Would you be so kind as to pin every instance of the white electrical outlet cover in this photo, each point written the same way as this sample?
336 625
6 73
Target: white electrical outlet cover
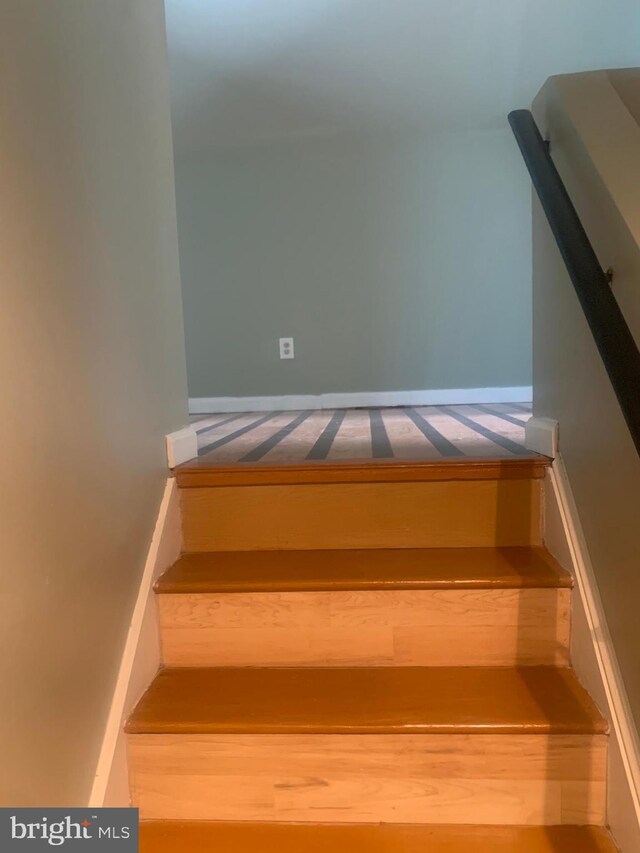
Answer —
286 348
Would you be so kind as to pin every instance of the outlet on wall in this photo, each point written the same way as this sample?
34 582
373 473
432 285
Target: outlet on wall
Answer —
286 348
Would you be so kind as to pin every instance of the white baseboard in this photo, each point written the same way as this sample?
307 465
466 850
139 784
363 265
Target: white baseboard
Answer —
541 436
293 402
141 657
182 446
594 658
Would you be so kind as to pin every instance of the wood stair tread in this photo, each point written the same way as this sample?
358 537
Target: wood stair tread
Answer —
202 472
426 568
366 700
213 837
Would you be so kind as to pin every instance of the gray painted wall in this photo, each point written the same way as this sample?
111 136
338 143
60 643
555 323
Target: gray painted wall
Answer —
396 264
93 370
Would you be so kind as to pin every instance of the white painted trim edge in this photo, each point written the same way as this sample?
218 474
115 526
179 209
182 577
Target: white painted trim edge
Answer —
140 659
595 660
541 436
182 445
291 402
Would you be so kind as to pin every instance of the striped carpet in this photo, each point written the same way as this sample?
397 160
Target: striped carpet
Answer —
491 431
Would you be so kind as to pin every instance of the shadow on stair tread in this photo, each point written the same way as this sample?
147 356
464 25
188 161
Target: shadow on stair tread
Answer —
214 837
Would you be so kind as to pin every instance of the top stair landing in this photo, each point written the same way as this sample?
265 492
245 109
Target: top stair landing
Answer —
362 436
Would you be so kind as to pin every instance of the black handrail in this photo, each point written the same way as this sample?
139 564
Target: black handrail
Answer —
611 333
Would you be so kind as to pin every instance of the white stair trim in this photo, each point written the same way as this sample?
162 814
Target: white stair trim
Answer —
182 446
541 436
140 659
340 400
594 658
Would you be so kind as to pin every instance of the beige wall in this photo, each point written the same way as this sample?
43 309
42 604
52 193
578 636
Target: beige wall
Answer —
92 367
595 142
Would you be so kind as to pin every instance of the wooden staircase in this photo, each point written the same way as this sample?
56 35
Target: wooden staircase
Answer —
367 657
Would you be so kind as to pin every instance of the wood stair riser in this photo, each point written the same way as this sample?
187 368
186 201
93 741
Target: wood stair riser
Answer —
430 627
526 779
439 513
